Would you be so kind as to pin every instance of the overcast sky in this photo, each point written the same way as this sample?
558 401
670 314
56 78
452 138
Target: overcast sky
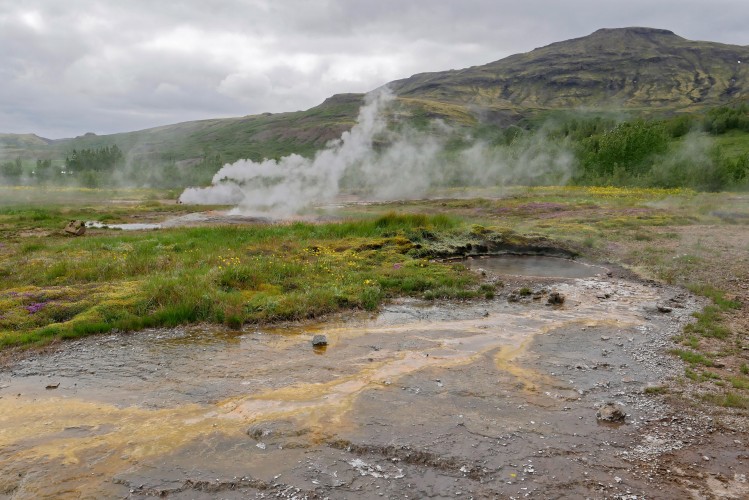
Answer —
75 66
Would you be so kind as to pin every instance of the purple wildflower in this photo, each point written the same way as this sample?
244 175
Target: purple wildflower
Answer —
34 308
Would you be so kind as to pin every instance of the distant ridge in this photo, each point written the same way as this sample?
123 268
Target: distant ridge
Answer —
638 69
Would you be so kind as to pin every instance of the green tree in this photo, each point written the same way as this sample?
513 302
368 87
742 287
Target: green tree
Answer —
625 149
43 171
11 171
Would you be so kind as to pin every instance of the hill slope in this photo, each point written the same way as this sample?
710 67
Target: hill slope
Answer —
638 69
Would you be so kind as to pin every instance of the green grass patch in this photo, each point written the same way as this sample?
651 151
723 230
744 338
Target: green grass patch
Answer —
717 296
656 390
709 324
739 382
728 399
710 320
692 357
70 287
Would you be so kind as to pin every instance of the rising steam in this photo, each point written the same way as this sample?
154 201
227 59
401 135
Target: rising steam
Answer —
382 162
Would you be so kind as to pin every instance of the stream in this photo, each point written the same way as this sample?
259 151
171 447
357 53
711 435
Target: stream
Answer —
423 399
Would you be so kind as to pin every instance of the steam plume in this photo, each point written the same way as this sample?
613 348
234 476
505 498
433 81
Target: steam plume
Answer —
380 163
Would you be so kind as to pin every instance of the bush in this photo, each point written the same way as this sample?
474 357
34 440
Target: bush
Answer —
624 150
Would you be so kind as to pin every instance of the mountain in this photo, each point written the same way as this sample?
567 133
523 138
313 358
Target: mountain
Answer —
630 68
636 69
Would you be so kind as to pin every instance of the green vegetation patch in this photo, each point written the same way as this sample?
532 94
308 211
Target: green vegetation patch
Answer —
68 287
728 399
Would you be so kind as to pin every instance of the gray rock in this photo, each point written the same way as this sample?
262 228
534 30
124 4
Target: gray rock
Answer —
76 228
319 340
257 432
611 412
556 299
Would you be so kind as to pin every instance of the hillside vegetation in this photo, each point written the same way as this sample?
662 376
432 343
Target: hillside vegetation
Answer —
636 106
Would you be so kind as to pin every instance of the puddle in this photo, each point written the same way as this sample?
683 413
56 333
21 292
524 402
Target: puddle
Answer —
123 227
535 266
470 388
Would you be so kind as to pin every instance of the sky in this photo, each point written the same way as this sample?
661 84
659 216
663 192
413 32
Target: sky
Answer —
104 66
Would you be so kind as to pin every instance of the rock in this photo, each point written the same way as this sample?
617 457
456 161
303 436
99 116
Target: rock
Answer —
257 432
53 386
319 340
76 228
663 308
610 412
556 299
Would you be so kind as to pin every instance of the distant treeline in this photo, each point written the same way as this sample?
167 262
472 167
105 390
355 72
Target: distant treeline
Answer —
704 151
681 151
675 152
103 159
108 167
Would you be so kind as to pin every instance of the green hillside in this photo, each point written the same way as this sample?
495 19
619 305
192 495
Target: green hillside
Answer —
631 68
642 71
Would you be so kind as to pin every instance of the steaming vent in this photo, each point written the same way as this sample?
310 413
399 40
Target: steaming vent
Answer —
381 158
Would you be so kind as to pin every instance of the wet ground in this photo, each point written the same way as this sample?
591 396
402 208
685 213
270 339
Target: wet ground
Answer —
211 217
534 266
423 400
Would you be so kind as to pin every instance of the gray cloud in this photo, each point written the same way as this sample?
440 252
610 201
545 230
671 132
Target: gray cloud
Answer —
84 65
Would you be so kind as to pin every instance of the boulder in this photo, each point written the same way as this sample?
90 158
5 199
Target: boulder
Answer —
76 228
611 412
319 341
556 299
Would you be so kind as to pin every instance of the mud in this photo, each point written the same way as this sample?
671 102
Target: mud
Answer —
427 400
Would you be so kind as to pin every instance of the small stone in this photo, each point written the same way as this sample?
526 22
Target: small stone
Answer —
75 228
257 432
610 412
663 308
319 340
555 299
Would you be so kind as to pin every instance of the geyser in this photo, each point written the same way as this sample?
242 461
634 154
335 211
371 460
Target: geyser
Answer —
381 162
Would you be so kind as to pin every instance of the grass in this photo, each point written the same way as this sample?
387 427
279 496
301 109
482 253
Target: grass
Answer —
728 399
692 357
656 390
70 287
709 324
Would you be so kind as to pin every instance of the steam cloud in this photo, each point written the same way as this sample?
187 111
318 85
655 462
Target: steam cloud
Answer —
381 162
